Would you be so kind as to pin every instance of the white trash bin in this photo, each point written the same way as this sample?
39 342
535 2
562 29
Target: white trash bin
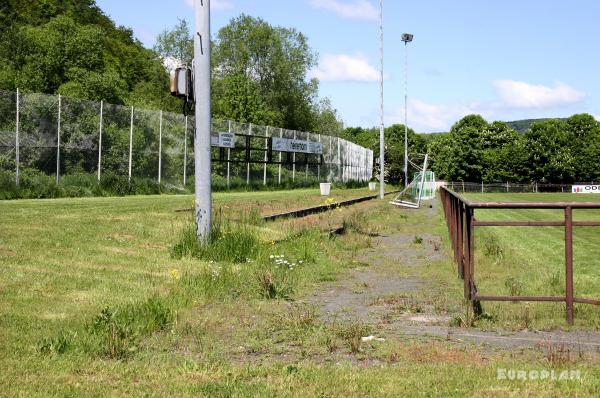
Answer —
325 188
372 186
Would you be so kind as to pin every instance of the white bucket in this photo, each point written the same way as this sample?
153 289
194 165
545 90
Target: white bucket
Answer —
372 186
325 188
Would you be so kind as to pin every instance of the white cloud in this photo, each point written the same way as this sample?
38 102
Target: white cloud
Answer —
214 4
345 68
517 94
516 100
425 117
356 9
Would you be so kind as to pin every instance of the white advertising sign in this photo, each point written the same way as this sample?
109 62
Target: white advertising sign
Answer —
223 140
586 189
289 145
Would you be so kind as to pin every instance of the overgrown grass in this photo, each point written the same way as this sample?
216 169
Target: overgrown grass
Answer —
93 304
37 185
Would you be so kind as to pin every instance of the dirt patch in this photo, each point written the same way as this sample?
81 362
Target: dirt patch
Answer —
388 294
361 296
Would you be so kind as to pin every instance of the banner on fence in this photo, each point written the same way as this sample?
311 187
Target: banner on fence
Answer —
289 145
223 140
586 188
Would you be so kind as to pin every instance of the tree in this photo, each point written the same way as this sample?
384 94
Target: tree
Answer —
272 64
327 120
176 45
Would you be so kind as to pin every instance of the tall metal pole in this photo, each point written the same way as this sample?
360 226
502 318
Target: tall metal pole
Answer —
406 114
100 139
58 141
160 120
17 143
248 161
202 148
406 38
381 127
130 143
228 156
185 152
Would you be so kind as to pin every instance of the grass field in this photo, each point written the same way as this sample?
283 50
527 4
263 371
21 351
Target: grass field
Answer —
93 304
530 260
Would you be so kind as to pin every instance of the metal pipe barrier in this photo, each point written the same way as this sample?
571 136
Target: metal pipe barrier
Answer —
461 221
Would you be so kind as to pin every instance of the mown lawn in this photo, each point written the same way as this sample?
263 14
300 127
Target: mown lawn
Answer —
531 260
93 304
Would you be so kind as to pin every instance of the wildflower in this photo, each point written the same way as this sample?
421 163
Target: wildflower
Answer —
174 273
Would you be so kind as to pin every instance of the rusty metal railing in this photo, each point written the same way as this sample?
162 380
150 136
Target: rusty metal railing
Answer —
460 217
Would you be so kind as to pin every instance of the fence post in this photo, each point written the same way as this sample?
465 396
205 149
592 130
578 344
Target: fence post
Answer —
185 152
319 164
279 178
339 159
100 139
306 157
228 155
266 156
58 141
294 162
160 120
330 158
130 143
17 143
481 186
569 263
248 160
506 186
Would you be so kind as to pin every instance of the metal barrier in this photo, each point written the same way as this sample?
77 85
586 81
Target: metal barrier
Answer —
460 217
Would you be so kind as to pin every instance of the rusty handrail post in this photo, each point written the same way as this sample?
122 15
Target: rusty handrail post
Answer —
461 238
569 263
469 254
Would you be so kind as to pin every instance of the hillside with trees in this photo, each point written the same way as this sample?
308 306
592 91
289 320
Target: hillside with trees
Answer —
72 48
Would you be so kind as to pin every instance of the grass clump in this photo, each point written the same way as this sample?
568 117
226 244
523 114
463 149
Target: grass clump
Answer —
115 333
228 242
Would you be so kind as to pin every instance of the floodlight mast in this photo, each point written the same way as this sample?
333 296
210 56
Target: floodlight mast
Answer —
406 38
381 127
202 148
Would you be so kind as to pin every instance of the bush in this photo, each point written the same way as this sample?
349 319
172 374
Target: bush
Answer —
228 242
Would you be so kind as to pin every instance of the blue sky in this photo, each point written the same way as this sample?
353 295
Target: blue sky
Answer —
506 59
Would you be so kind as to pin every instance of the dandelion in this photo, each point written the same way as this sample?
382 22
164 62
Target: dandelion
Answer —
174 273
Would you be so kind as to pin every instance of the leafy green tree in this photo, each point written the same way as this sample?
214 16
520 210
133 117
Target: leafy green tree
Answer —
583 133
272 63
550 159
176 44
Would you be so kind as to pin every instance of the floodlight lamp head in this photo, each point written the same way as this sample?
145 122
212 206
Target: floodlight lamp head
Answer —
407 37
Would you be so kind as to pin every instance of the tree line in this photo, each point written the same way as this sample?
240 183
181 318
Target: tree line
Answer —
71 47
549 151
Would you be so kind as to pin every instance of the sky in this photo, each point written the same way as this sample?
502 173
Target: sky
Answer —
506 60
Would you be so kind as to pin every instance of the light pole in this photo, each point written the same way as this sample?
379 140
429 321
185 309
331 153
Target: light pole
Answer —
406 38
203 119
381 127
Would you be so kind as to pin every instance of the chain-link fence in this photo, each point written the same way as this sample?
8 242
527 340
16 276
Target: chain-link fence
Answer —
64 136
